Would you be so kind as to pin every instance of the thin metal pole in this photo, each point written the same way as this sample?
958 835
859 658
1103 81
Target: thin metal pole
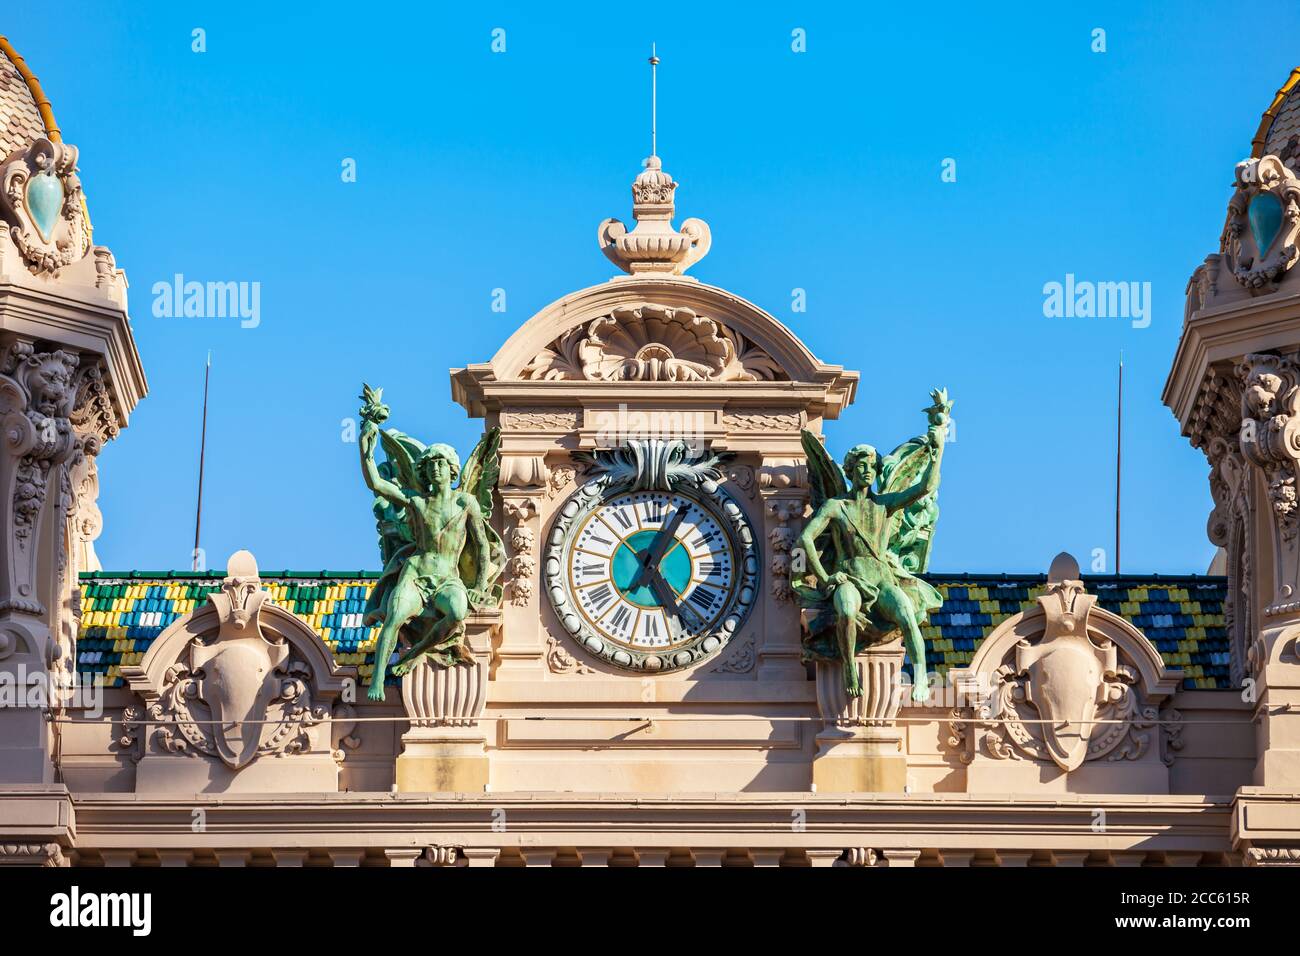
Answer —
654 101
203 446
1119 452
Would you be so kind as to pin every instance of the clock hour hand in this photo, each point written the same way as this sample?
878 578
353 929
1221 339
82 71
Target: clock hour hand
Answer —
668 600
652 555
666 596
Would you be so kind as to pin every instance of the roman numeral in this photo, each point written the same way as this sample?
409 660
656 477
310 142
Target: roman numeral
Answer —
599 596
655 509
702 540
651 628
622 518
590 570
619 621
702 597
596 537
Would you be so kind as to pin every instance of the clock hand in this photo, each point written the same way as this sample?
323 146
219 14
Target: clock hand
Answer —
651 556
666 596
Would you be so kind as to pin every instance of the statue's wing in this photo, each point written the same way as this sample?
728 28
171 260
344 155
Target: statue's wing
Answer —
825 478
479 476
403 451
912 528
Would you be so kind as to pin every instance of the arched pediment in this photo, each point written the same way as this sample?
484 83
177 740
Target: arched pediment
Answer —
657 329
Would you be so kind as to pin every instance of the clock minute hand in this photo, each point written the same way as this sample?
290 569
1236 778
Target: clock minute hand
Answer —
652 555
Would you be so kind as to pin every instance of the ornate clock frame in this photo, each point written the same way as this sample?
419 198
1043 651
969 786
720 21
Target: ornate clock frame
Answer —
609 481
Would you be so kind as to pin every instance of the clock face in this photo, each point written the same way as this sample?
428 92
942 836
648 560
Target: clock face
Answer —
652 570
652 579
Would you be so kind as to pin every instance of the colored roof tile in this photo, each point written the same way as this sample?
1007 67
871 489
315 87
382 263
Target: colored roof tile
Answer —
1183 616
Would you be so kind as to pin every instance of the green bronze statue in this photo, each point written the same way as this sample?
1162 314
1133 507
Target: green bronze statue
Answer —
442 558
864 546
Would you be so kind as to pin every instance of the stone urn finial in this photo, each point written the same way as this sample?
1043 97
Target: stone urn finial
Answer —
653 245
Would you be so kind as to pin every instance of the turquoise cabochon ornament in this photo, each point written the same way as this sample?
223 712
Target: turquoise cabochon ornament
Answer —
44 201
1265 220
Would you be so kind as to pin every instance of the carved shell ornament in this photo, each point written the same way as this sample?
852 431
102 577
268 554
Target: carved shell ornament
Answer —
652 343
1263 222
40 203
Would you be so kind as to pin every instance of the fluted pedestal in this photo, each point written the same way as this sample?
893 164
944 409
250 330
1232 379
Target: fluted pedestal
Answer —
860 749
445 749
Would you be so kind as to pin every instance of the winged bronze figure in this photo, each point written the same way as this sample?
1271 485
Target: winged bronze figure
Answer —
442 557
864 546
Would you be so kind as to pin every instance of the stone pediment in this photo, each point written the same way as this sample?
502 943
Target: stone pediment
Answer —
652 343
651 331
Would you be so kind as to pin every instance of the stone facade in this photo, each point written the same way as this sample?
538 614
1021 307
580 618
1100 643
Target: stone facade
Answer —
1067 740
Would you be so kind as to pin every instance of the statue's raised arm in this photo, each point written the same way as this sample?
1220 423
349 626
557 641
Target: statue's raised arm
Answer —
373 414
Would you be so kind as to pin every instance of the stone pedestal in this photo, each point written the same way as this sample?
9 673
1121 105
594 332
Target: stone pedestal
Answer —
446 749
860 749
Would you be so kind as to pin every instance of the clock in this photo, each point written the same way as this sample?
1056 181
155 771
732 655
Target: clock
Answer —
651 579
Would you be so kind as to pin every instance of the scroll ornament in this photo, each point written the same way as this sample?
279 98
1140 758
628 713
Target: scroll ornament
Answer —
1263 222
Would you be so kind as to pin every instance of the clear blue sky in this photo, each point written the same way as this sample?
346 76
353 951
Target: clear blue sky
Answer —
818 170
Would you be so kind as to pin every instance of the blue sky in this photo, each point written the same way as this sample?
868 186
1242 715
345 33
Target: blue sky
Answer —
818 170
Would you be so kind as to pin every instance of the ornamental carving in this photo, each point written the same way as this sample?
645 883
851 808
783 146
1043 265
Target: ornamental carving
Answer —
653 245
652 343
239 680
1215 427
763 421
781 540
541 419
1067 683
560 661
37 396
1270 432
1259 239
41 204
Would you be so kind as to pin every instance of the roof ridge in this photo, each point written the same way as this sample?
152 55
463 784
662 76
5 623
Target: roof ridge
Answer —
43 105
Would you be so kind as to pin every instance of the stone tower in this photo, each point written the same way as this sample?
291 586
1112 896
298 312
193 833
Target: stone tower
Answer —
1235 388
69 378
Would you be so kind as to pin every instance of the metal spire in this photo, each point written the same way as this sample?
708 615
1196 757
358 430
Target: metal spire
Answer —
654 98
